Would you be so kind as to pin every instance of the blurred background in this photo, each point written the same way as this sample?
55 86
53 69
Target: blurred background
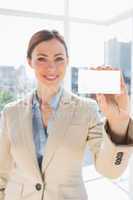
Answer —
96 32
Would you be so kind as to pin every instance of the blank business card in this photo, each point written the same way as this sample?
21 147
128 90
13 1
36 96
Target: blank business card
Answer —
95 81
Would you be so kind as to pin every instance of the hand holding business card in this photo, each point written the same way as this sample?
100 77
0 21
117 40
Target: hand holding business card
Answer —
99 81
112 96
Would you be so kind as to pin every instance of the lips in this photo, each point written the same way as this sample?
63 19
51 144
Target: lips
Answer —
50 77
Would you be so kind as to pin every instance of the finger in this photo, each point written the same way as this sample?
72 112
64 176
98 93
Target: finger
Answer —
107 67
102 67
101 99
92 67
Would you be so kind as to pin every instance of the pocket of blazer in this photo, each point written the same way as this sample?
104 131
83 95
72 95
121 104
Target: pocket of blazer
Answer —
99 81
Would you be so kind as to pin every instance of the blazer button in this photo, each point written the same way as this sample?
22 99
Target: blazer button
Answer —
38 186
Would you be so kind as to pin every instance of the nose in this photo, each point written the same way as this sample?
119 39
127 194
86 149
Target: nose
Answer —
51 66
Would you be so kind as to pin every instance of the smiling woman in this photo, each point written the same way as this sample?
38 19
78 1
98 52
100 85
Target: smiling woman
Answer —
48 56
44 135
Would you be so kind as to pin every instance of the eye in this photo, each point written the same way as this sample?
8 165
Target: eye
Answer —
59 59
41 59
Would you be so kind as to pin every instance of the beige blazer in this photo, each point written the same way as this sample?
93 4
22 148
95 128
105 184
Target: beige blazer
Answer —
75 124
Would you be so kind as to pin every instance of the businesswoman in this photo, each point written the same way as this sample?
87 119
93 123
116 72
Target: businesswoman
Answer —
43 136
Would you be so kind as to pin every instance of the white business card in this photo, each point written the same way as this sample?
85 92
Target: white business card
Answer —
99 81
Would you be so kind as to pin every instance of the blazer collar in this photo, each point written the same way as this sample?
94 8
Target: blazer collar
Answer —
57 130
57 127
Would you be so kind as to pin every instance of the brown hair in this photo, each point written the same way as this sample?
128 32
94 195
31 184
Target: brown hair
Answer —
44 35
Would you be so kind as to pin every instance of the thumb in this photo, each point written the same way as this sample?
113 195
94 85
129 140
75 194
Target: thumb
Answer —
102 102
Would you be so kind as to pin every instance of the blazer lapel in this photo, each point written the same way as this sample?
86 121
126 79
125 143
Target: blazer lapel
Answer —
27 138
57 127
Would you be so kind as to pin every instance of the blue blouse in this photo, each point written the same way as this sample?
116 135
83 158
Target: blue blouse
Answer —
40 133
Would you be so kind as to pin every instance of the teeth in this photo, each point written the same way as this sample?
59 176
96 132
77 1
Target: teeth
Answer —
50 77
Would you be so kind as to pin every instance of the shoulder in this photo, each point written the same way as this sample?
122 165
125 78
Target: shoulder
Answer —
86 110
83 103
19 103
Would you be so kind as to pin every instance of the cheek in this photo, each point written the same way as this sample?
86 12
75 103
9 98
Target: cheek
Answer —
63 70
40 69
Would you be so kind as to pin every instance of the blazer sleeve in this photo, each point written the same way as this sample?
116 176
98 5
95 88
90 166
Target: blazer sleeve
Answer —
5 156
110 158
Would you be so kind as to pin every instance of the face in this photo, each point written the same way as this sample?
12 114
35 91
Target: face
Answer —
49 62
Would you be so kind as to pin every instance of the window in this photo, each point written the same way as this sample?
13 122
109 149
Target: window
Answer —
118 48
86 44
86 49
14 37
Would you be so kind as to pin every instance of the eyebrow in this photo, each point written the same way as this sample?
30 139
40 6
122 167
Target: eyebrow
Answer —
59 54
42 54
45 55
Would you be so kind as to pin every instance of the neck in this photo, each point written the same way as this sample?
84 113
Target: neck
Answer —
45 93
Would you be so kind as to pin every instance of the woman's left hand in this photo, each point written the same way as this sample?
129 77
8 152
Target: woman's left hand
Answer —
115 107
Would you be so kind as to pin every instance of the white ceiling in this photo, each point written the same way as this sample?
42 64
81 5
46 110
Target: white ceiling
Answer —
98 10
101 10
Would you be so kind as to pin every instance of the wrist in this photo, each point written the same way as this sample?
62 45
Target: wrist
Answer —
115 136
119 127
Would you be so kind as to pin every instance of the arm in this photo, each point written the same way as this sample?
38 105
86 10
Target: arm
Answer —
5 157
110 158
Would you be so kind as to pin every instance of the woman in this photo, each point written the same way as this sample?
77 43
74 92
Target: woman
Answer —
44 135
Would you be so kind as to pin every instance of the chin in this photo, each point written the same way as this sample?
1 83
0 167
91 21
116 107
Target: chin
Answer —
50 83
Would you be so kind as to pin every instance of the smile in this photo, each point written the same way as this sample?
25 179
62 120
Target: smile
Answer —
51 77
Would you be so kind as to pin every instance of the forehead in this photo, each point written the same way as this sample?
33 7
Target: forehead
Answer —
52 46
